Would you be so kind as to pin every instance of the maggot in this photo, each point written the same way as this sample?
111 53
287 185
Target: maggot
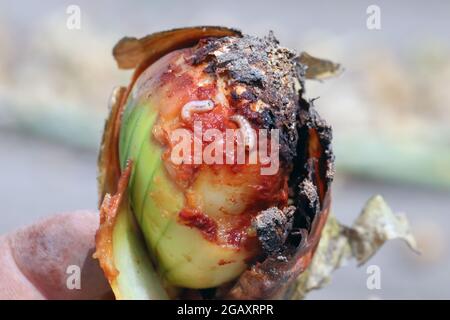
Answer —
246 130
196 106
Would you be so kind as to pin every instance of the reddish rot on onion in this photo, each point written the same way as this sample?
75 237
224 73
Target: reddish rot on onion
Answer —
228 168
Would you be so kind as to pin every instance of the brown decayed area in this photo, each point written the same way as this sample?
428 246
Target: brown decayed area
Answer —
200 221
264 83
103 237
313 171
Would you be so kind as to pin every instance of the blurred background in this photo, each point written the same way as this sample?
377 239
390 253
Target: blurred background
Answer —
390 111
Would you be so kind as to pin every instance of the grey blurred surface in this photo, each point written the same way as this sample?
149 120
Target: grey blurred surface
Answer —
41 178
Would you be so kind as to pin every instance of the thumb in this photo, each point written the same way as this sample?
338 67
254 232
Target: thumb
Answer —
40 261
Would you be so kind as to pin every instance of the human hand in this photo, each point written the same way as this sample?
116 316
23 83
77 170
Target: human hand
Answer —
34 260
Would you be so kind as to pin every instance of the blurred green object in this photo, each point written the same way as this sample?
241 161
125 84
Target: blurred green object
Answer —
74 127
414 162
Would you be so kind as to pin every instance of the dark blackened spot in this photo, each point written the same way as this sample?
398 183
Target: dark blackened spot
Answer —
234 96
204 49
248 95
273 227
242 73
312 173
268 119
210 68
207 293
248 113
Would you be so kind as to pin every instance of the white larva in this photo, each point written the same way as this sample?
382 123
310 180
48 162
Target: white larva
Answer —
196 106
246 130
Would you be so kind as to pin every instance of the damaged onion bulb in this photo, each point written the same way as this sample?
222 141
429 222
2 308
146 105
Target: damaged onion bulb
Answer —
189 208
